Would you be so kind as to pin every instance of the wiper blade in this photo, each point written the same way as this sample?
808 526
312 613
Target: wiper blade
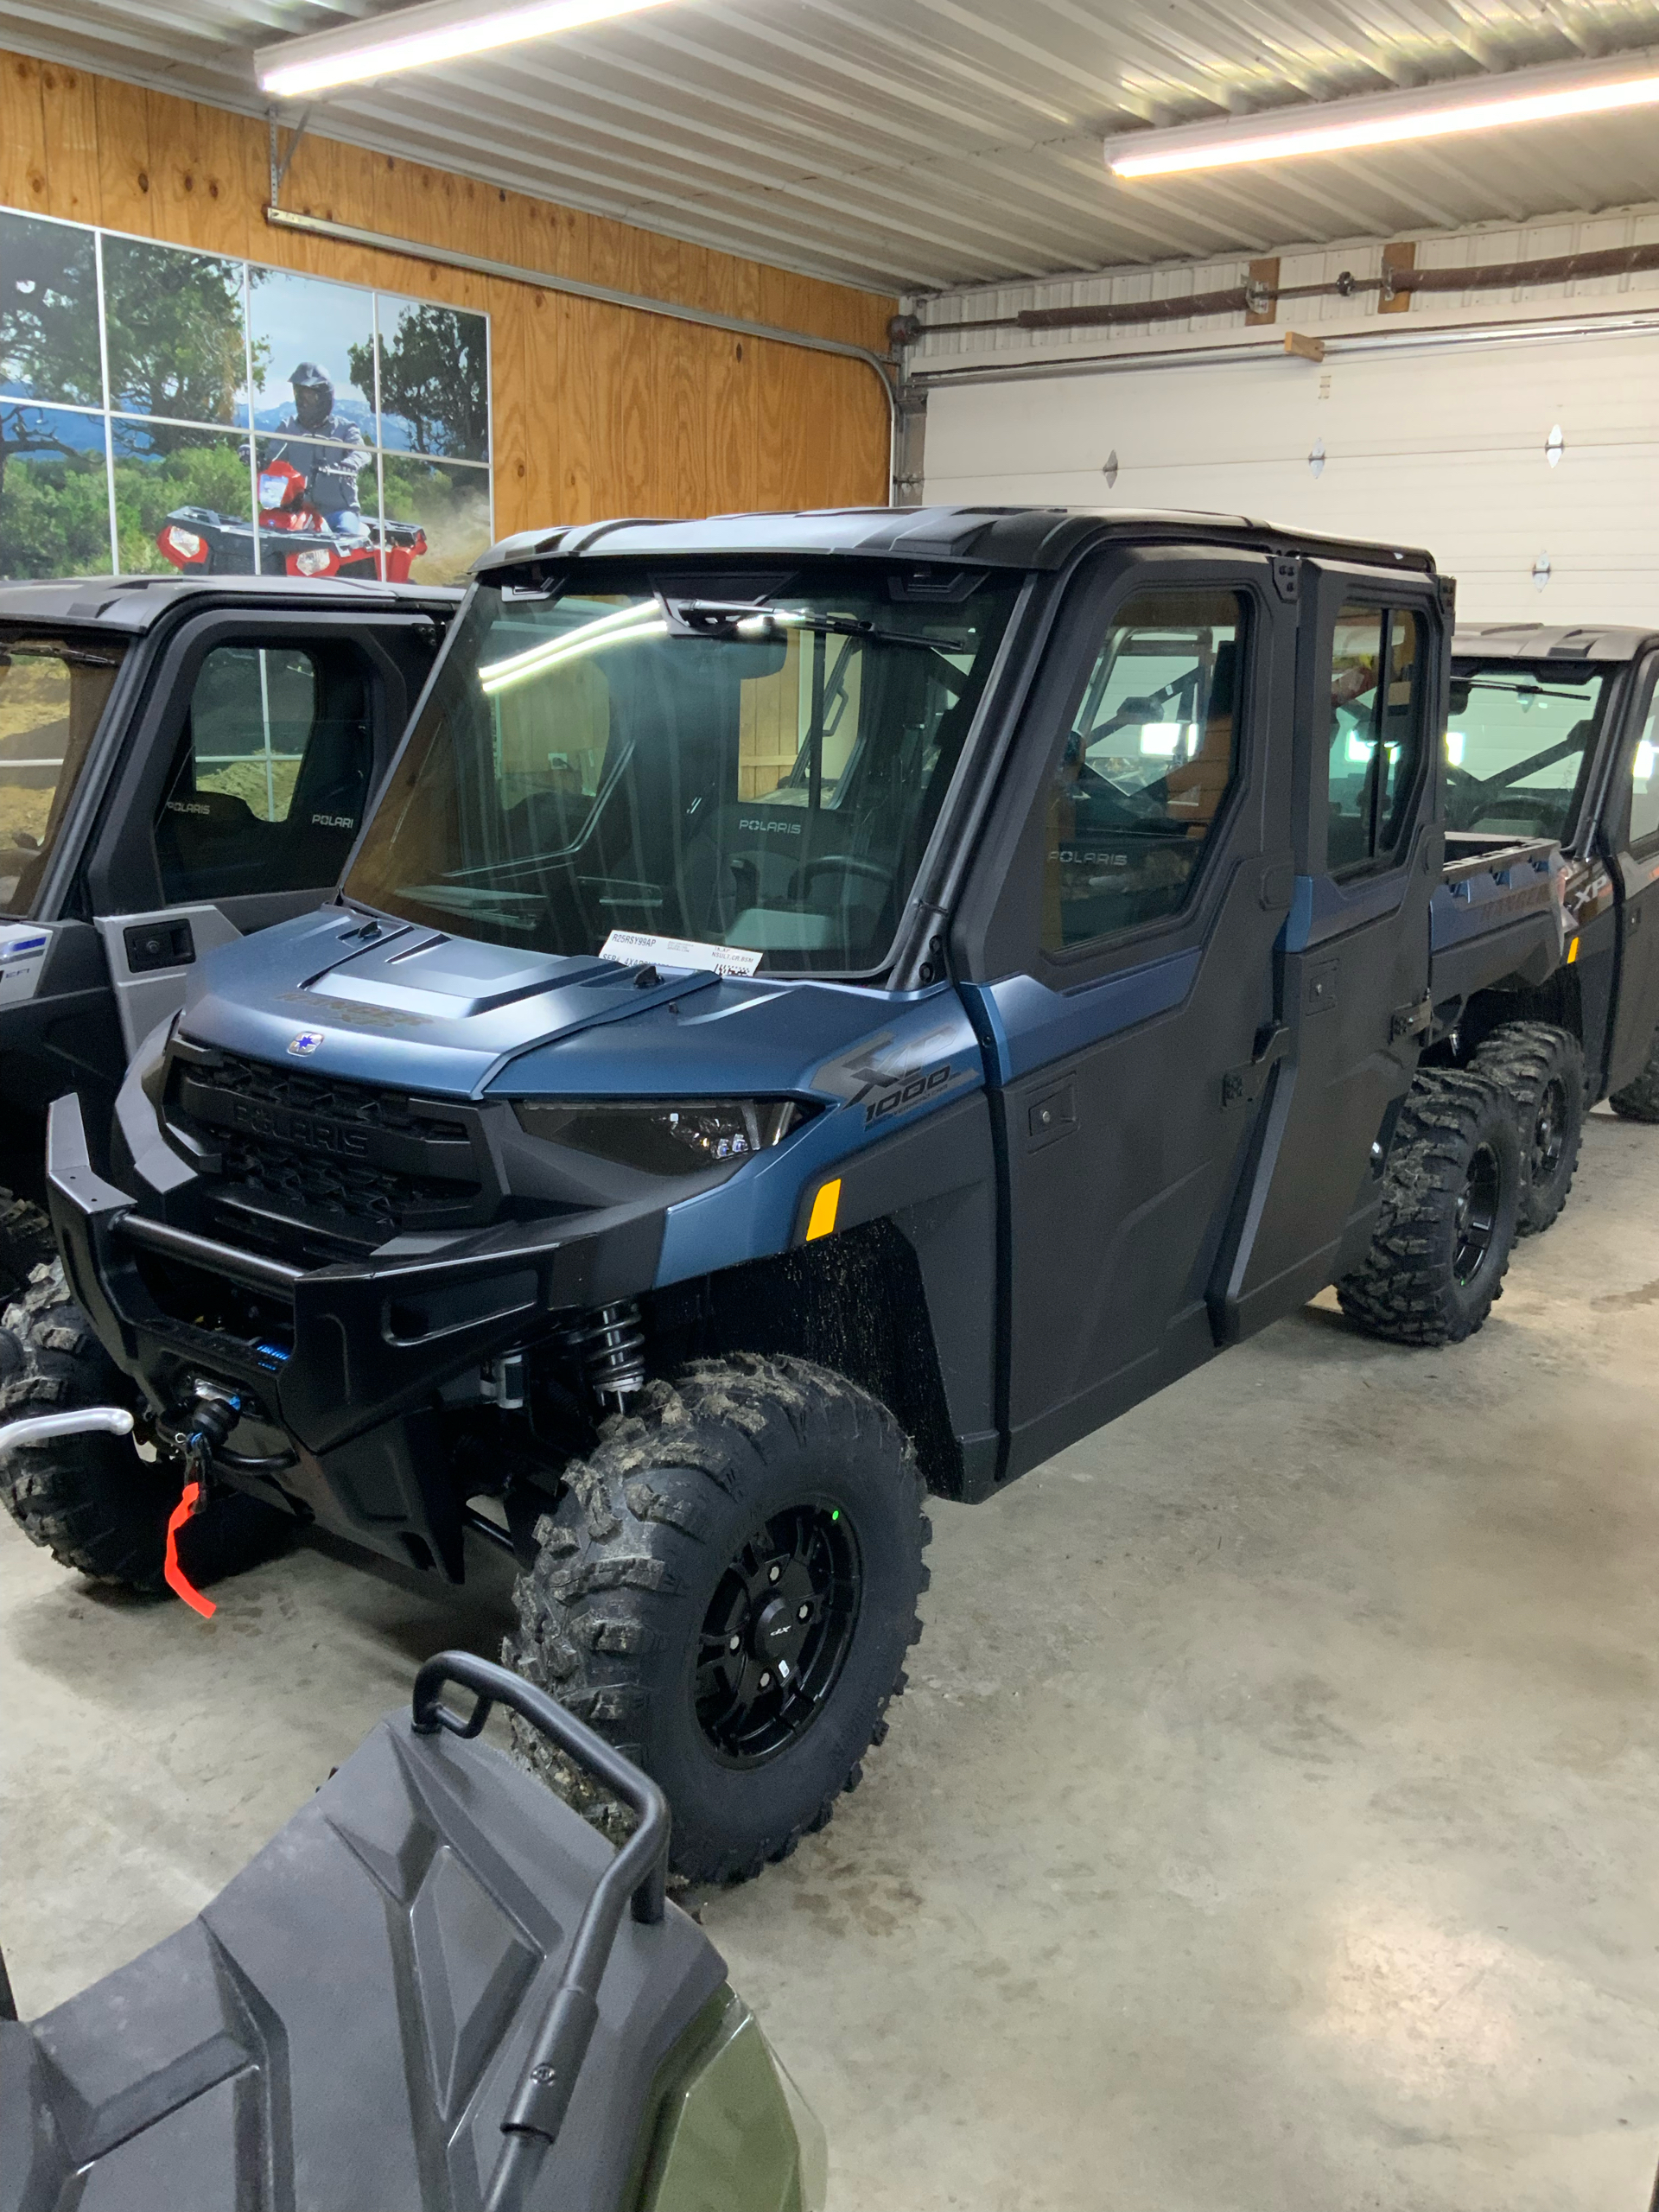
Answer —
751 623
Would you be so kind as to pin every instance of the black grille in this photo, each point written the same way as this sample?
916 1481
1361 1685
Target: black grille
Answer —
341 1158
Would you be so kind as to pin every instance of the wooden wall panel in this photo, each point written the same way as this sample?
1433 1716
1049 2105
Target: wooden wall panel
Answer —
597 410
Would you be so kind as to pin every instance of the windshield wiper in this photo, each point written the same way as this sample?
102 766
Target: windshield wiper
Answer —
753 624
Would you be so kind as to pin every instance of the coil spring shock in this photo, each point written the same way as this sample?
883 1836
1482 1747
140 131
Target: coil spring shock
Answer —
610 1342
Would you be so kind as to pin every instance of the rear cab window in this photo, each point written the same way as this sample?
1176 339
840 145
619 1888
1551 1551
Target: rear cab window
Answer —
1644 780
1376 735
52 694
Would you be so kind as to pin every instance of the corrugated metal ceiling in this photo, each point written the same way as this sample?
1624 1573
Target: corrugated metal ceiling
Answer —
915 145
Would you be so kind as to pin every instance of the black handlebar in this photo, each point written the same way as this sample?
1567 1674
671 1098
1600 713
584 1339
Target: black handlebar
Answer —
536 2109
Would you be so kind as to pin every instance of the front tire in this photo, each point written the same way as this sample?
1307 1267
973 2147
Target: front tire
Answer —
1543 1070
1450 1202
94 1502
26 1243
727 1591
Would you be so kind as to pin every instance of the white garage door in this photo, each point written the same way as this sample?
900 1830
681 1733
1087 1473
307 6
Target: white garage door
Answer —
1445 448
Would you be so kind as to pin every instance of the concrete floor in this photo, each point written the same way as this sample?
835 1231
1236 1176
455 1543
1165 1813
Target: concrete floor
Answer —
1271 1822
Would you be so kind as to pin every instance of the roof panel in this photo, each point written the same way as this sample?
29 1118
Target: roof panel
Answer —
922 144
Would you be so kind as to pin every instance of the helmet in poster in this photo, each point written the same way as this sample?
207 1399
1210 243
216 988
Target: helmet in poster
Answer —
314 394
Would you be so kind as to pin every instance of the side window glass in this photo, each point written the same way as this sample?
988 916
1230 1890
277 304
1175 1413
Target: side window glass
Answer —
1377 735
1152 754
1644 777
270 776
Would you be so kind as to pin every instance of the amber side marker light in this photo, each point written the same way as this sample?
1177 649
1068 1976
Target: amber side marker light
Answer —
825 1207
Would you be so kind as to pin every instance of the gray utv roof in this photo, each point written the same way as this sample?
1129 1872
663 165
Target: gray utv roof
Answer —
1544 641
134 603
1001 538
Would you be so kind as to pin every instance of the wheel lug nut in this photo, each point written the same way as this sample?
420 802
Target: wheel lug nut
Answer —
765 1681
774 1574
736 1644
802 1613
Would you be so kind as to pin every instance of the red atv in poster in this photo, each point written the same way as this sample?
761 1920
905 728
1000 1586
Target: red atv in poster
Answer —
293 538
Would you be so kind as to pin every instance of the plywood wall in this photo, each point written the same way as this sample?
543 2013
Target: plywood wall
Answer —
597 410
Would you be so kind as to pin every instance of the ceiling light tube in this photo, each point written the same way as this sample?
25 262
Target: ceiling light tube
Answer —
1519 96
417 38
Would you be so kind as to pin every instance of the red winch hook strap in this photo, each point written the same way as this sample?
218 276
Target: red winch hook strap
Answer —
177 1581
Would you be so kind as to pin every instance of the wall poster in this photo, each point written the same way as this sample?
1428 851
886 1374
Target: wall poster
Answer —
164 409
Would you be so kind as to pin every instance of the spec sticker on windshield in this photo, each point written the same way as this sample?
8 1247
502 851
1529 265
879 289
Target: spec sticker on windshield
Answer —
635 948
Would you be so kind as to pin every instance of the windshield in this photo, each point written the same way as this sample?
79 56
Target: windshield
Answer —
53 692
740 762
1517 742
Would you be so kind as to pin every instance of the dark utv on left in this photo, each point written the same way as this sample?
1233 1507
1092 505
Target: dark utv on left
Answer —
826 1008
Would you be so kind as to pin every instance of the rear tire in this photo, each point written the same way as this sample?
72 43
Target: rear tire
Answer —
727 1591
1450 1200
1543 1070
1639 1100
92 1501
26 1243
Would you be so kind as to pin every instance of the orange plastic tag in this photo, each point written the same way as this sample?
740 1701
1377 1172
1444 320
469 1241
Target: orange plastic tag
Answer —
172 1574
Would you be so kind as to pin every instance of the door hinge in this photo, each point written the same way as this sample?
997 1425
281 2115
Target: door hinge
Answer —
1243 1086
1411 1020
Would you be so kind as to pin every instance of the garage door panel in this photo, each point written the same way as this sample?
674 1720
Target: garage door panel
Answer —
1443 449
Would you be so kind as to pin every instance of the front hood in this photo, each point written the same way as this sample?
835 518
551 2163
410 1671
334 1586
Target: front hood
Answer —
413 1009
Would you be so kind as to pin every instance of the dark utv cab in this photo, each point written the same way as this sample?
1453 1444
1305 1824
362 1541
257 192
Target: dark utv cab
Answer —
1554 734
827 1007
180 762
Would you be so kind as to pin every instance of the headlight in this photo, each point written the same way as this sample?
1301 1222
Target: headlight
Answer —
666 1140
318 561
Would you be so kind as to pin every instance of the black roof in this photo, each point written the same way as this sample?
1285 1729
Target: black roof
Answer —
134 603
1001 538
1615 641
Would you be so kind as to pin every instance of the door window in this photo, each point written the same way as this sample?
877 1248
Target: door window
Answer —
1644 777
270 776
1152 754
1377 735
53 692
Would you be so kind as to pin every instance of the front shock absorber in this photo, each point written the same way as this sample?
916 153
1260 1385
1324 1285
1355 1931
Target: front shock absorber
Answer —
610 1344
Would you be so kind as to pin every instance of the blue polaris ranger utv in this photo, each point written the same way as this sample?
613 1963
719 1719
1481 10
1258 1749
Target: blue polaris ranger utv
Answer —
828 1009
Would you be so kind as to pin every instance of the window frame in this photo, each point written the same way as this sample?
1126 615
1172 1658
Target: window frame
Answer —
1645 718
997 928
1378 862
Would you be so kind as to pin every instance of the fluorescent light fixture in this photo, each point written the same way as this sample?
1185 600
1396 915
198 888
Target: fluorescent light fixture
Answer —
416 38
1519 96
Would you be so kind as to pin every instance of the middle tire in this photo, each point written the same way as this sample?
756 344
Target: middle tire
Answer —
727 1591
1451 1201
1543 1069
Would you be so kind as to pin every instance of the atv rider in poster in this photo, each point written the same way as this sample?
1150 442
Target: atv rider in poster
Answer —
329 469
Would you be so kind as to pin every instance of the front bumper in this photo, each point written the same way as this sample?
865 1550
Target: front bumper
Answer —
346 1360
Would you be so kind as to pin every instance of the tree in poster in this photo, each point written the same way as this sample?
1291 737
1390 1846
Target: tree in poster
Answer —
435 374
48 331
175 332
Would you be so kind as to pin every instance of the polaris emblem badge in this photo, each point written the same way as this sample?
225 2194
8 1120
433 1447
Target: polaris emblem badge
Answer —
305 1042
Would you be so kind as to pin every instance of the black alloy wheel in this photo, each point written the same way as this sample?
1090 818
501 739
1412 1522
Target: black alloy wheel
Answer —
1476 1216
1549 1131
777 1632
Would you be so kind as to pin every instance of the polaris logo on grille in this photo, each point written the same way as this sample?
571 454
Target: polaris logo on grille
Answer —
306 1043
307 1130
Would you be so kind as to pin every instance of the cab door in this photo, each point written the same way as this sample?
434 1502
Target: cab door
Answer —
242 792
1633 828
1354 959
1118 932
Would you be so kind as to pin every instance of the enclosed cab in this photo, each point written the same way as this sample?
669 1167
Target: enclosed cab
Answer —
179 763
826 1009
